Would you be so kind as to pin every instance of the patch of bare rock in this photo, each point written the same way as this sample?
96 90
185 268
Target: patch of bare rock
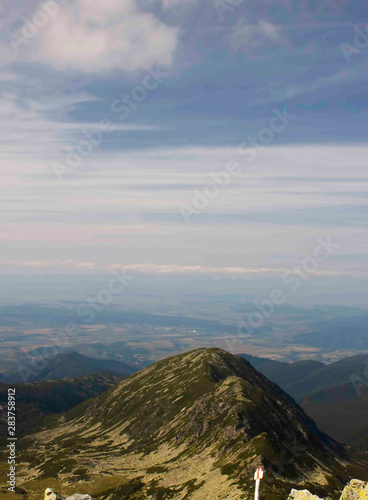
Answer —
354 490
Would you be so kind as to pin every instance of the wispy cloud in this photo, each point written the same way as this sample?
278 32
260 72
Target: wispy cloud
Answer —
128 205
248 36
32 126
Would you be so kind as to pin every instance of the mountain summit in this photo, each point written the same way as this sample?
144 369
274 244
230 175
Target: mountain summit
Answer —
191 426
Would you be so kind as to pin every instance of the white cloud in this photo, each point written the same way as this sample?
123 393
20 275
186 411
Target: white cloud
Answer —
101 35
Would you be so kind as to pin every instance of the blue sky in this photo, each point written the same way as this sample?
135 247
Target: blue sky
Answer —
183 89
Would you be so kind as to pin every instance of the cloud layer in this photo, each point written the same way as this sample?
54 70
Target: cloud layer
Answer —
149 268
127 209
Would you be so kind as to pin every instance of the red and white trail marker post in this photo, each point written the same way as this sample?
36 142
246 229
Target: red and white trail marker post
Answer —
258 475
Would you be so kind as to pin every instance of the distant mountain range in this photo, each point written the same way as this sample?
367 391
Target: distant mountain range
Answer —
334 334
302 378
192 426
334 395
38 399
69 364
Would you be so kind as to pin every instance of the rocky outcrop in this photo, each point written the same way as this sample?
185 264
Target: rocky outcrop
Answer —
355 490
51 495
302 495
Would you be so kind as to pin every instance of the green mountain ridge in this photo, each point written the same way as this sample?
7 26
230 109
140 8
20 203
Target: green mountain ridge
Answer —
192 426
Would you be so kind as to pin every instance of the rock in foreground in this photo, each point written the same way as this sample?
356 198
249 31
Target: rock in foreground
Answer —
355 490
302 495
51 495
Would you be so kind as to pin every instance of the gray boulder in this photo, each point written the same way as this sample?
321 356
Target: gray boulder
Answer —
51 495
78 496
355 490
302 495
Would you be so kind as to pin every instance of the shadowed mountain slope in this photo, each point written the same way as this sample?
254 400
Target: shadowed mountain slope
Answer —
342 412
37 399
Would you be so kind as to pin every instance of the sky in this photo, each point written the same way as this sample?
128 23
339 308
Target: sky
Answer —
217 138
